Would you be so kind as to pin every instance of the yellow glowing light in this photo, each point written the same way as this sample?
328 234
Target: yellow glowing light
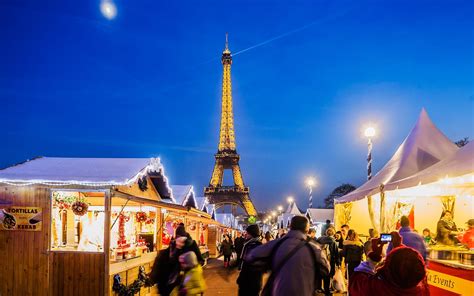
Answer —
273 214
310 182
280 208
369 132
290 199
108 9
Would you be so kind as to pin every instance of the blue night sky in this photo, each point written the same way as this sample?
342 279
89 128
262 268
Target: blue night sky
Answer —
147 83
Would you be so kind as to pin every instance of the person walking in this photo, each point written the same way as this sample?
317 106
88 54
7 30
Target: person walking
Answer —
325 227
250 277
410 239
294 262
329 245
267 237
352 251
193 280
226 249
402 273
166 268
238 245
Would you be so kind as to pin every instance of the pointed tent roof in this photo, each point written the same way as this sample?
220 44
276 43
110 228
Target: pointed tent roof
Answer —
201 203
459 164
293 209
184 195
423 147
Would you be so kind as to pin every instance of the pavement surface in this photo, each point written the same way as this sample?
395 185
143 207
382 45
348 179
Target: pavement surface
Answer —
222 281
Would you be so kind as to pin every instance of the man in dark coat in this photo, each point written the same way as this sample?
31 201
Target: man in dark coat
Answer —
239 245
250 277
302 261
330 247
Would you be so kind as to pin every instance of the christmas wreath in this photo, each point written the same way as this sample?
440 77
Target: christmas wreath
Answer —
79 207
141 217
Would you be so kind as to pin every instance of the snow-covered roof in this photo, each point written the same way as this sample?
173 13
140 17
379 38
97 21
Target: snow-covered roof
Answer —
320 215
184 195
422 148
80 171
201 203
459 164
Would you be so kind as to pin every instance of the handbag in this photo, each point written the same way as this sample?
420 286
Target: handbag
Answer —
338 282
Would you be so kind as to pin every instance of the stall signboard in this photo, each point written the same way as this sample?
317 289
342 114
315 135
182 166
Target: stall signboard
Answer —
21 218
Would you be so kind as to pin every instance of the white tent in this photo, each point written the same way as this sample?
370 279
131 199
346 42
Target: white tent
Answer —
290 212
422 148
459 164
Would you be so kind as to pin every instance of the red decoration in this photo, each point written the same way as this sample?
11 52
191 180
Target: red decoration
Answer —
141 217
122 242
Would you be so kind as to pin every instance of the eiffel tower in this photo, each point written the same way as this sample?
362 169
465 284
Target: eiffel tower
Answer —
227 157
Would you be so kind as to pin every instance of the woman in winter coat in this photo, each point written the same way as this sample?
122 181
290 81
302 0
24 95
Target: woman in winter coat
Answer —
402 273
446 230
226 250
329 245
352 251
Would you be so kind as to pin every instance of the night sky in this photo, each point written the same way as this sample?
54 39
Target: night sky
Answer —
148 82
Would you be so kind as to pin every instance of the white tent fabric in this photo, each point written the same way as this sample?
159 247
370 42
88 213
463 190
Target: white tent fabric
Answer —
320 215
459 164
293 209
422 148
88 171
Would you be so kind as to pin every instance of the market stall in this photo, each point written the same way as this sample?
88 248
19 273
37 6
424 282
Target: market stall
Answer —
432 186
73 226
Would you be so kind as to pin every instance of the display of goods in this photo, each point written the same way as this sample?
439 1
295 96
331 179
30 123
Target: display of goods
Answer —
79 208
141 217
192 227
150 221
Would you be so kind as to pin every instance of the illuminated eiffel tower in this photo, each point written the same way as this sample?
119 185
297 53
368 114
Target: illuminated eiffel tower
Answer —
227 157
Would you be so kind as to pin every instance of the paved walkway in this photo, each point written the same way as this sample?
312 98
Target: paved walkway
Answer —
220 280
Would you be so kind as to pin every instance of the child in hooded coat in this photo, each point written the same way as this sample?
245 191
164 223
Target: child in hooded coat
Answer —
193 281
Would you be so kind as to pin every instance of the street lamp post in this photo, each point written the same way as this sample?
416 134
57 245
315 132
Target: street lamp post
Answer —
369 133
310 182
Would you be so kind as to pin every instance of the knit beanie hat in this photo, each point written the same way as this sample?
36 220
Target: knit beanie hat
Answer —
188 259
404 267
253 230
180 231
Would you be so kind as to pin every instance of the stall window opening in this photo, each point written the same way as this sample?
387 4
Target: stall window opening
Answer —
77 221
133 229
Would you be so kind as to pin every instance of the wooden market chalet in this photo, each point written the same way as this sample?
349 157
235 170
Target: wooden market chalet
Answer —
72 225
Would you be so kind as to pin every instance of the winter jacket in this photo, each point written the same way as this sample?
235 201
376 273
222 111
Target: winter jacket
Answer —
411 239
329 246
297 276
163 267
226 248
193 281
443 233
363 284
250 277
468 238
352 251
239 244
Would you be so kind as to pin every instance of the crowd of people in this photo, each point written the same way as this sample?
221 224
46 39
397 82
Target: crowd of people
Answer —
299 262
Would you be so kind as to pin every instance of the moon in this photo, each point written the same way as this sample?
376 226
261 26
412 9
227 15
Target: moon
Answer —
108 9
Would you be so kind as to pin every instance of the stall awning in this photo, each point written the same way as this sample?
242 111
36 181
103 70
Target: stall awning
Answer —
422 148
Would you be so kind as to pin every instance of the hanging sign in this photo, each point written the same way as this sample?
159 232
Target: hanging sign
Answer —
21 218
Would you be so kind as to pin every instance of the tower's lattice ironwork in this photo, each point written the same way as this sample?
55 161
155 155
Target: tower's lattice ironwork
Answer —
227 157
